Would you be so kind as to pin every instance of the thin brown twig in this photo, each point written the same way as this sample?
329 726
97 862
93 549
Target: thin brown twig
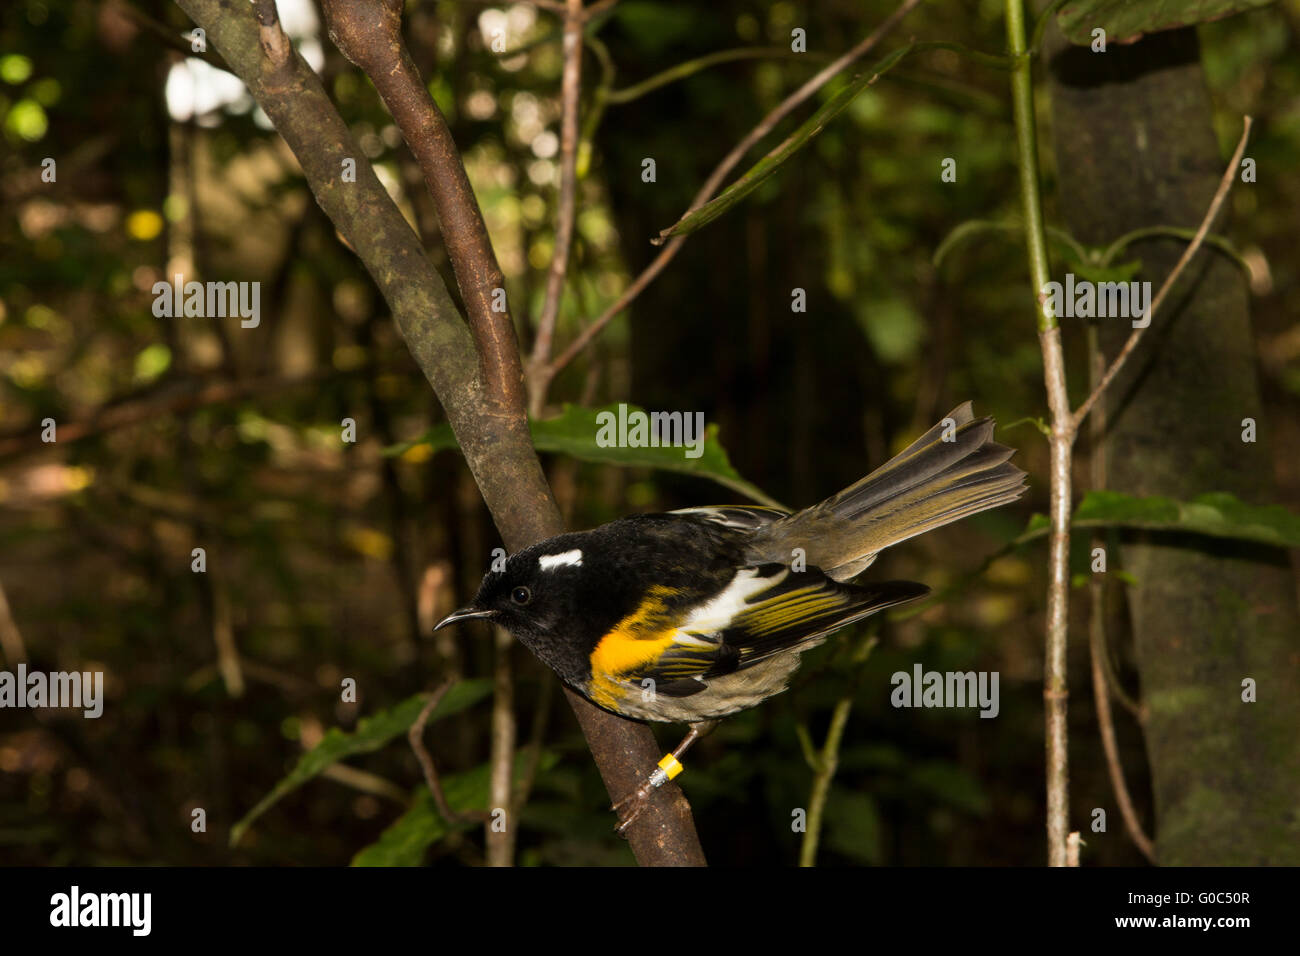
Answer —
553 6
536 735
500 840
416 736
1106 730
369 34
1056 692
1102 680
366 782
11 639
570 91
629 94
169 36
173 398
715 180
1212 213
597 8
1097 468
1138 710
223 636
559 7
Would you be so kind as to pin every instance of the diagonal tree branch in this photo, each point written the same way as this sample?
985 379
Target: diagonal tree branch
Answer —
714 183
489 425
148 405
166 35
11 639
369 34
1211 214
1101 680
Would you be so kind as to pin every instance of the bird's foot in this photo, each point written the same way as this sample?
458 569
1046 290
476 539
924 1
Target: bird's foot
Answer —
630 807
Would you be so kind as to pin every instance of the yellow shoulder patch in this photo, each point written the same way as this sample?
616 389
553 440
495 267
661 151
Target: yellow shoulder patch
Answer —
633 643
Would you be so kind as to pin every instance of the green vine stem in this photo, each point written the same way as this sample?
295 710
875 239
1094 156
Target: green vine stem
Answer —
825 762
1060 443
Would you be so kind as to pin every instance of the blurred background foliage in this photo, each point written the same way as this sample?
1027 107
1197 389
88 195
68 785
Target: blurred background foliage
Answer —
329 560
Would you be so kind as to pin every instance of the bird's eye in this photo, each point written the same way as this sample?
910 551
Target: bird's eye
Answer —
521 595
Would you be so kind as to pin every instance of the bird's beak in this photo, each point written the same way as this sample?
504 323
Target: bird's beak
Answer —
464 614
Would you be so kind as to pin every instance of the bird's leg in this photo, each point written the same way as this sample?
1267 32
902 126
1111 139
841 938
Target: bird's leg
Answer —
630 807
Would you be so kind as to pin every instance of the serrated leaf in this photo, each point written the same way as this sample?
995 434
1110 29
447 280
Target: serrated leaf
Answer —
1217 515
372 733
406 840
575 430
1126 20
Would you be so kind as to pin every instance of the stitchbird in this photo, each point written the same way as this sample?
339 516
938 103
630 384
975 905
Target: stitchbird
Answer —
694 615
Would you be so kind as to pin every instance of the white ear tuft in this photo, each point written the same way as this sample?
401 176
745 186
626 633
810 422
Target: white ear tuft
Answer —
549 562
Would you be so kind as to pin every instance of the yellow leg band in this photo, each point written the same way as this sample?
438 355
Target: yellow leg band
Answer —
671 766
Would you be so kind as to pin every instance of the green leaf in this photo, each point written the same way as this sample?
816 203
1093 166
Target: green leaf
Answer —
1039 525
894 329
576 430
851 826
1105 256
1126 20
1070 247
1218 515
372 733
1121 272
952 785
657 27
406 840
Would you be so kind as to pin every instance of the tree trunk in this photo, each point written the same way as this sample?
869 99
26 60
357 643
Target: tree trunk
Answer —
1135 147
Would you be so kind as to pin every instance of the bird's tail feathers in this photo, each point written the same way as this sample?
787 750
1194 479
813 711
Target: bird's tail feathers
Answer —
951 472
